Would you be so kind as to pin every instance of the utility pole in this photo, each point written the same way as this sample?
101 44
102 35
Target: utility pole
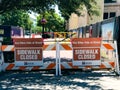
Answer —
43 22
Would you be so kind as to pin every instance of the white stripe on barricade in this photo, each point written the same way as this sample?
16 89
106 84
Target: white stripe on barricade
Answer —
46 66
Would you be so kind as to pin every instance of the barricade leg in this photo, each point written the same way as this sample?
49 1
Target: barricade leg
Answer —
58 62
56 58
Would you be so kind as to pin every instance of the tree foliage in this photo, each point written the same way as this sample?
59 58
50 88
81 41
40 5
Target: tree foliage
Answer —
66 7
33 5
54 21
16 18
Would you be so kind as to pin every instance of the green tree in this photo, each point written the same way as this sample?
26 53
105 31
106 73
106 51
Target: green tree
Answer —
33 5
66 7
16 18
36 29
54 21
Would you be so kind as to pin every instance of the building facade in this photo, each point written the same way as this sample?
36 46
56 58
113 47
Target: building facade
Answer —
79 21
107 9
111 8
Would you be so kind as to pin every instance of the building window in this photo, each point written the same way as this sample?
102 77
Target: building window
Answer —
109 15
105 16
110 1
112 14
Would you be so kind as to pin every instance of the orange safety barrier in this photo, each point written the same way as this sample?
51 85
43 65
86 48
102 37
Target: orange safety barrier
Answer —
51 65
64 65
11 66
45 47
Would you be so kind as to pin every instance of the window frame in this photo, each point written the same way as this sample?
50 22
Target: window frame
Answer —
110 1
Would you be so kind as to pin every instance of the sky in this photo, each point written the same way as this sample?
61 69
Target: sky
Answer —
56 9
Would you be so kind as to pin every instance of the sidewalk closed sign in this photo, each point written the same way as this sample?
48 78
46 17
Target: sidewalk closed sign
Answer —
86 51
28 51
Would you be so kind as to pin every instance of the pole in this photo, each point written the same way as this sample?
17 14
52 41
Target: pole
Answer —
43 26
57 58
117 70
1 55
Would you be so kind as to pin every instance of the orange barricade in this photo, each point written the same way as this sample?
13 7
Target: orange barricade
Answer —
64 65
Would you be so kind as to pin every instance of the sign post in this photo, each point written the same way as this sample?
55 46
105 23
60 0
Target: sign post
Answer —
86 51
57 59
28 51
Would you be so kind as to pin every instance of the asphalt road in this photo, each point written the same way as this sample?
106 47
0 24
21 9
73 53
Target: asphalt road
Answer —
69 80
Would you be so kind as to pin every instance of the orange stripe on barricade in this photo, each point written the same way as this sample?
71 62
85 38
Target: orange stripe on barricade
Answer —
102 66
71 65
49 47
36 68
88 66
51 66
22 67
54 48
112 64
62 67
108 46
45 46
10 66
3 47
12 49
66 46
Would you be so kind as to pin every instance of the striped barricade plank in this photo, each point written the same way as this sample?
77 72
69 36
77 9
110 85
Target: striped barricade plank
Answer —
65 47
74 67
22 68
64 65
46 66
11 47
45 47
7 47
108 46
107 65
69 65
51 66
10 66
49 47
36 68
